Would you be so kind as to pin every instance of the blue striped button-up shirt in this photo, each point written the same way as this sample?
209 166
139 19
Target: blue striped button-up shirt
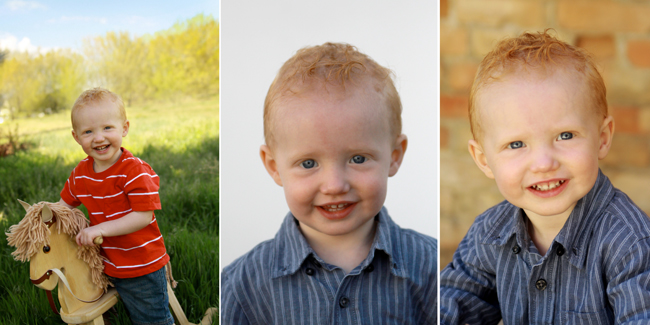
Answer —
597 270
282 281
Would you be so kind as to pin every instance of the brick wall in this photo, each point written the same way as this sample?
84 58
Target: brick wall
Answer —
616 32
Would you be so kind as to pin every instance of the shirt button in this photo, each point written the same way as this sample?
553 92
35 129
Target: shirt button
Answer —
370 268
309 271
516 249
540 284
560 251
344 302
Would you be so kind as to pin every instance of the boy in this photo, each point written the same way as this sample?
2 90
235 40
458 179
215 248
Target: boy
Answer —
332 129
120 192
565 247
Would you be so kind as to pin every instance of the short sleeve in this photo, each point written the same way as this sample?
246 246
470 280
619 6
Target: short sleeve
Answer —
141 187
67 194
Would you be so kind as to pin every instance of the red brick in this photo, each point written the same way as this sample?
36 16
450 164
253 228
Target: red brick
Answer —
638 51
453 106
601 47
444 8
603 16
500 12
626 119
444 137
461 75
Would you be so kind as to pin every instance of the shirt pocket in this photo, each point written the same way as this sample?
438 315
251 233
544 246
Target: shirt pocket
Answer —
592 318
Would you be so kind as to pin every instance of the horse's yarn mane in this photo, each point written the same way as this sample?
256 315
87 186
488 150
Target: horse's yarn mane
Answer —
31 234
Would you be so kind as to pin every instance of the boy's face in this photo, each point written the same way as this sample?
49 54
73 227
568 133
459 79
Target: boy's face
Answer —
541 140
333 155
99 130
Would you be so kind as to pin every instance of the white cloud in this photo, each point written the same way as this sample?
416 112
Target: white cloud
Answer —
65 19
11 43
14 5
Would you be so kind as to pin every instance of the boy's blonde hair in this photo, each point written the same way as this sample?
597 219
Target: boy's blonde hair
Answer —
332 64
537 51
97 95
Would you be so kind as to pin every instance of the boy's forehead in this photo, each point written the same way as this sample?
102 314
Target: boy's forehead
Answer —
559 87
331 101
329 104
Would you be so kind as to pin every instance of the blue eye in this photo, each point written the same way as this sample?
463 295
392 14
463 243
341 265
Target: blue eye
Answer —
87 132
307 164
516 145
358 159
565 136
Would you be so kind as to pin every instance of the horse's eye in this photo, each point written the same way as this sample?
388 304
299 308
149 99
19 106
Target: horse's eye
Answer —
46 249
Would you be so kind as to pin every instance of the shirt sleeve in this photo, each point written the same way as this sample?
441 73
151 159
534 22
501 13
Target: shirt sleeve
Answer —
628 288
232 312
467 289
67 194
141 187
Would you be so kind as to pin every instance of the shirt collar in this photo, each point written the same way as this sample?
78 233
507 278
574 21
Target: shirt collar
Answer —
292 249
576 232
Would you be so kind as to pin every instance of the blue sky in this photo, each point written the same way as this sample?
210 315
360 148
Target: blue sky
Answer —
27 24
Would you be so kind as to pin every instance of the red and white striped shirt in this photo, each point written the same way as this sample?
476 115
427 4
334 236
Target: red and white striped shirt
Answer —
129 185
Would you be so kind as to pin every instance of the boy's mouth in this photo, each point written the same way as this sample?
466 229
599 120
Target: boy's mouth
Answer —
335 207
548 189
102 147
336 210
547 186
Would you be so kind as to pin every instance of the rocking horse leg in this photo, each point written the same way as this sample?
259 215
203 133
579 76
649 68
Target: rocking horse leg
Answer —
176 307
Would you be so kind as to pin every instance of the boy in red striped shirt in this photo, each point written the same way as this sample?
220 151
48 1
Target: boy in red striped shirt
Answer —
120 192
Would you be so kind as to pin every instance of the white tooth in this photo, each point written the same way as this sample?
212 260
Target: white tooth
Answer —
544 187
341 205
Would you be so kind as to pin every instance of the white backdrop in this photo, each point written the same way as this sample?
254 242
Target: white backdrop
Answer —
257 37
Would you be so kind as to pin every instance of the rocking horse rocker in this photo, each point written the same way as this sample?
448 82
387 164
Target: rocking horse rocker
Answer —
46 238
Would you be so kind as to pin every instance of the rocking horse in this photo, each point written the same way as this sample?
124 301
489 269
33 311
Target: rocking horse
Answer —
46 238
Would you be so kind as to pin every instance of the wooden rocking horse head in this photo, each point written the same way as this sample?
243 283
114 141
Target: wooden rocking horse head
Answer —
46 238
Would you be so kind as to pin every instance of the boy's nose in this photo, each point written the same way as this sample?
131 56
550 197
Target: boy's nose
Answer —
335 182
99 137
544 161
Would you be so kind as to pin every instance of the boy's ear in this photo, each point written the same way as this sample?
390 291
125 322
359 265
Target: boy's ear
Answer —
125 128
397 155
76 138
270 164
606 136
478 155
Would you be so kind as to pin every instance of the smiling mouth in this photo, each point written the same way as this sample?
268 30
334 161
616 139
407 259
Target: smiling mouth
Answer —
335 207
547 186
102 147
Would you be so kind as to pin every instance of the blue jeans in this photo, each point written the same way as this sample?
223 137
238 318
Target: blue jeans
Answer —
145 298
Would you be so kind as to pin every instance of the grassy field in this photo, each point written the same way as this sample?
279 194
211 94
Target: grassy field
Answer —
180 141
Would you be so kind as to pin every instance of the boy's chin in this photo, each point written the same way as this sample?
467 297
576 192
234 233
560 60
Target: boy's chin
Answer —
550 212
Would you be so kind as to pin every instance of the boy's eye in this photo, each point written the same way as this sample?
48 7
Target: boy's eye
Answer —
87 132
565 136
358 159
310 163
516 145
107 127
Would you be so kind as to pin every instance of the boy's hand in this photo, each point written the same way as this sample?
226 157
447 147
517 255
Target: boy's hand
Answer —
87 235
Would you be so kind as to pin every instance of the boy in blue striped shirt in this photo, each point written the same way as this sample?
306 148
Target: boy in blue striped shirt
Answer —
332 125
565 247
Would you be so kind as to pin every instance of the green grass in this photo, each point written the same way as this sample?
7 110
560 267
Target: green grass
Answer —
180 141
